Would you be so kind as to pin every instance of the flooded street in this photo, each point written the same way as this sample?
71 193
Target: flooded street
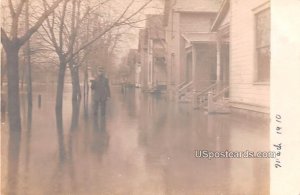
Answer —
144 145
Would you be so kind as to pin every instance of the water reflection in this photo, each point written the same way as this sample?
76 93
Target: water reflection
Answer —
100 139
28 136
143 145
3 108
75 114
60 137
13 162
73 136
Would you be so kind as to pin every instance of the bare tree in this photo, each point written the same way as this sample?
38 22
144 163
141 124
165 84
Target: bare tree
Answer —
62 30
28 65
12 42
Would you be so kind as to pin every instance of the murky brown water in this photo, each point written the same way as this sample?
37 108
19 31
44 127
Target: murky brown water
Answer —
144 146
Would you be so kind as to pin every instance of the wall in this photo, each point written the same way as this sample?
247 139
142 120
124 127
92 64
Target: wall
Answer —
244 92
196 22
172 48
192 22
144 69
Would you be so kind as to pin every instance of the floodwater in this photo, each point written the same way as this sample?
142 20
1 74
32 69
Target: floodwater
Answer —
144 145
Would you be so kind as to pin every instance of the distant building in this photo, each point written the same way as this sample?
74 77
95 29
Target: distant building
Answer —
143 57
152 54
138 75
191 46
132 63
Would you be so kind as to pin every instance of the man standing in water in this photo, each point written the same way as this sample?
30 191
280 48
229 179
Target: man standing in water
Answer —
100 87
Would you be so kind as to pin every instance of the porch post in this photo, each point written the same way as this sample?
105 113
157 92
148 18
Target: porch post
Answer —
194 58
218 60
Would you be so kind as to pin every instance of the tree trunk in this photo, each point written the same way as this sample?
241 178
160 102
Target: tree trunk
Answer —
28 85
59 94
13 88
28 65
59 107
76 92
75 115
76 96
85 92
29 97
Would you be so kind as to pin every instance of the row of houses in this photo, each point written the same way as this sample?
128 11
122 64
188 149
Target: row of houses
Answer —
211 53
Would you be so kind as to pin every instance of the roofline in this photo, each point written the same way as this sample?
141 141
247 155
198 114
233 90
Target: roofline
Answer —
191 42
196 12
222 12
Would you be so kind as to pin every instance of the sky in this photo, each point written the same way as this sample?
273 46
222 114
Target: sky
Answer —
130 40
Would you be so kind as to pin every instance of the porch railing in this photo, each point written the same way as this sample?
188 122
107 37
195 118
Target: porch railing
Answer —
181 85
217 89
221 93
187 87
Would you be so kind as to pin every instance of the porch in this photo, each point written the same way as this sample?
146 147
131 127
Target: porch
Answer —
205 71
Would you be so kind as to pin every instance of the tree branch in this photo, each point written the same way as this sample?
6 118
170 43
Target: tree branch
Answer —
11 8
105 31
4 38
137 11
40 21
20 7
61 26
51 34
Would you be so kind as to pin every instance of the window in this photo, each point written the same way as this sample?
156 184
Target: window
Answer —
160 61
263 46
149 72
172 24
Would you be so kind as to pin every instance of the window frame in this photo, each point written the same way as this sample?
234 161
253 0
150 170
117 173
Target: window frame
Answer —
256 11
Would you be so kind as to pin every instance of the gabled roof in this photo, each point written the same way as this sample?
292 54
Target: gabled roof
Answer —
221 15
197 5
193 6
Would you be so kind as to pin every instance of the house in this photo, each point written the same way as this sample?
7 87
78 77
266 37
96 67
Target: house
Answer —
143 60
132 65
152 54
191 46
138 74
247 25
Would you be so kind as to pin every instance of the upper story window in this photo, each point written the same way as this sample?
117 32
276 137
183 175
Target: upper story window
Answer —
172 24
262 23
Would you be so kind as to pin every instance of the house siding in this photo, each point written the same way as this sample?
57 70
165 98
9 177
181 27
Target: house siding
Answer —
244 92
172 47
196 22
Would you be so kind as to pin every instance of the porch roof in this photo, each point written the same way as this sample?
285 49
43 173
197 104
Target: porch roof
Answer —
198 37
205 6
223 12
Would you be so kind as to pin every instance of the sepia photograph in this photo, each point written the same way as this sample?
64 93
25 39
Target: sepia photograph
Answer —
150 97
